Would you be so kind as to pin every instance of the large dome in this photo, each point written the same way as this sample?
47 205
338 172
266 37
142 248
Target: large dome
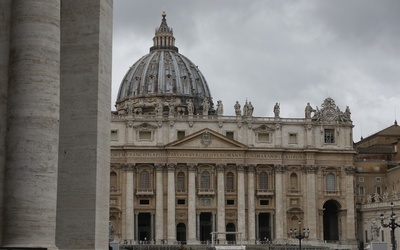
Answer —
164 76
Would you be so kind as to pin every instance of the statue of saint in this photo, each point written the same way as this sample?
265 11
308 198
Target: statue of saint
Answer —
237 109
308 111
245 109
220 108
250 109
277 110
190 107
206 106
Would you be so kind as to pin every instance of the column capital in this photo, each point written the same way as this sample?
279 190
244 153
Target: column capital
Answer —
251 167
171 166
220 167
192 166
241 167
159 166
280 168
350 170
309 168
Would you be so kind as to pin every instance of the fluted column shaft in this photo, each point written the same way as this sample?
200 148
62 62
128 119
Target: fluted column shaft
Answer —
171 227
30 183
192 204
130 219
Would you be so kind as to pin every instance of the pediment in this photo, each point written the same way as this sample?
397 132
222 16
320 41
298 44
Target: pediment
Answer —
206 139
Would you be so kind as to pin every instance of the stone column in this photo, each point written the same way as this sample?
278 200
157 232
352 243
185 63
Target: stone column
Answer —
280 206
251 204
159 203
30 180
5 20
171 225
192 239
349 194
85 95
241 215
129 203
310 208
221 201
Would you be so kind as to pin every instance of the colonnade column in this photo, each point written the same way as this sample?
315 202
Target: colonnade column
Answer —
192 204
85 124
171 227
350 216
280 204
221 201
33 108
159 227
5 20
250 203
241 215
311 199
129 203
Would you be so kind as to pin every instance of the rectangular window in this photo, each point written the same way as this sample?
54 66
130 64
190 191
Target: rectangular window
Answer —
263 137
229 134
378 190
360 179
292 138
230 202
144 202
361 191
114 135
264 202
378 179
181 135
145 135
329 136
181 201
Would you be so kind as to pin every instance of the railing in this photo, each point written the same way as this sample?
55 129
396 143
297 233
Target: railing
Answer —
332 192
145 191
205 191
265 192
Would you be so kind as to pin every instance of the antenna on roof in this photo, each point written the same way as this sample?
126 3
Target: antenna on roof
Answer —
361 131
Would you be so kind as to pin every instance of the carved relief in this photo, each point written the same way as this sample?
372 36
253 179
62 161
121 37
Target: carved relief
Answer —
309 168
206 139
159 166
350 170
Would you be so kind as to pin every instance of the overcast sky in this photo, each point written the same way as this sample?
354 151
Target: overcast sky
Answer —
291 52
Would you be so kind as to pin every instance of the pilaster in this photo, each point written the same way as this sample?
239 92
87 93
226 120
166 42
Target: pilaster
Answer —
251 203
221 201
171 204
241 215
129 203
280 205
192 204
159 220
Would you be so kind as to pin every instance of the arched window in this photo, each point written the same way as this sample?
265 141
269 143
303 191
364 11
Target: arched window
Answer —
263 181
144 179
294 184
229 181
181 233
330 183
180 182
205 180
113 181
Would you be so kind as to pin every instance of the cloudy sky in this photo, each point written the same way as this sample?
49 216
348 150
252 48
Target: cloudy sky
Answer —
291 52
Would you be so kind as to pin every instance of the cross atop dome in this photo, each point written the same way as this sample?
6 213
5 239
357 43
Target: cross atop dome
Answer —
164 36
